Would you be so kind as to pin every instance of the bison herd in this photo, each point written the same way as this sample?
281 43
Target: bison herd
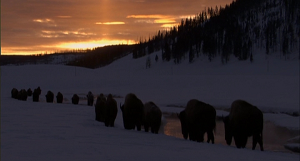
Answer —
198 118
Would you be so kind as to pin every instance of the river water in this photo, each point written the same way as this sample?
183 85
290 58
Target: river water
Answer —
274 137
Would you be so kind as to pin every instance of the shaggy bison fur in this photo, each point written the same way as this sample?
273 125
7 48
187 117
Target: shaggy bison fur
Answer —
59 97
133 112
90 98
75 99
243 121
100 108
197 119
49 97
111 111
152 117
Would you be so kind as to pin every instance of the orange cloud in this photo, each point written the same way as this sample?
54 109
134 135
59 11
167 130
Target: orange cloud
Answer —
164 21
146 16
43 20
64 16
110 23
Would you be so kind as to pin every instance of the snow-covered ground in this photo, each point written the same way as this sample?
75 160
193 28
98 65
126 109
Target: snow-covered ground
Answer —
46 131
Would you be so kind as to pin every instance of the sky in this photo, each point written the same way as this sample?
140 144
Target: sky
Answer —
35 26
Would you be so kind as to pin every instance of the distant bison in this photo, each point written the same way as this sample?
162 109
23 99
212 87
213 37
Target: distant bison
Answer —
100 108
152 117
22 95
59 97
197 119
75 99
35 95
243 121
49 97
90 99
29 92
133 112
38 90
14 93
111 111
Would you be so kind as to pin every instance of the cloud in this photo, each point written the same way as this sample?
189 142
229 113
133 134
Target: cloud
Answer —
46 20
56 34
64 16
110 23
42 24
146 16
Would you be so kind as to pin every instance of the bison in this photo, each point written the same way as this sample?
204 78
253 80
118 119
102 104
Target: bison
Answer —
14 93
197 119
29 92
22 95
75 99
100 108
59 97
243 121
39 90
133 112
35 95
152 117
90 98
49 97
111 111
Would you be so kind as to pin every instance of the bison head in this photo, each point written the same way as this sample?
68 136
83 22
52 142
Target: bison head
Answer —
228 133
184 128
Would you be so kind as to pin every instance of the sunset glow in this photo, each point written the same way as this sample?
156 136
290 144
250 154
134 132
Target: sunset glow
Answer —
31 27
93 44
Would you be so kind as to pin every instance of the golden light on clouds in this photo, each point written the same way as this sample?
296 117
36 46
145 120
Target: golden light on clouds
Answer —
93 43
55 34
164 21
110 23
169 25
64 16
32 27
146 16
43 20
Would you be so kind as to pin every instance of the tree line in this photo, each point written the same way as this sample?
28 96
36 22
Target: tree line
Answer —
234 30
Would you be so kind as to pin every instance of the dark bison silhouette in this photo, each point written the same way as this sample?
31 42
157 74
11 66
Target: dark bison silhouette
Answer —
197 119
39 91
111 111
75 99
14 93
22 95
49 97
100 108
59 97
36 95
90 98
243 121
133 112
152 117
29 92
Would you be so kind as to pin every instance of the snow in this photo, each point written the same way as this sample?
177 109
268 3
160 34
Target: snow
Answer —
51 131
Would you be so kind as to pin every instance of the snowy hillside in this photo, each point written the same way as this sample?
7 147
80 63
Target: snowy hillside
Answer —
46 131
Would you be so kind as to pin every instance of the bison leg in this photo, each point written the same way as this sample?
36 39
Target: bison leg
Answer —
238 141
257 138
146 126
112 123
138 127
210 136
